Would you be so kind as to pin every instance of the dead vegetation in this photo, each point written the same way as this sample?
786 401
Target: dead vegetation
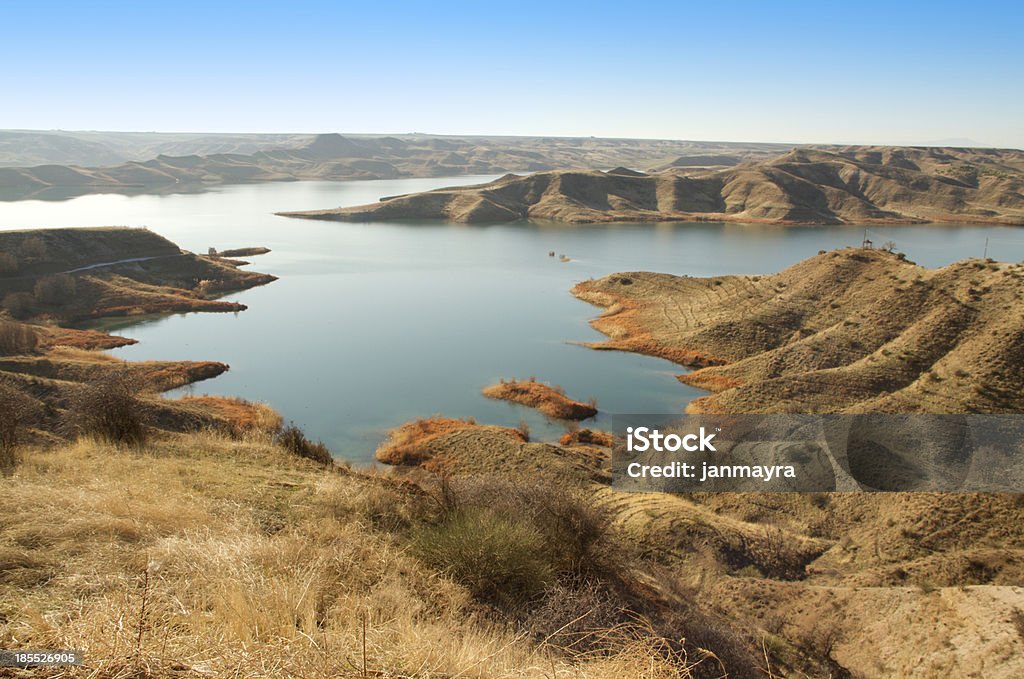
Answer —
230 555
109 410
549 400
587 437
409 444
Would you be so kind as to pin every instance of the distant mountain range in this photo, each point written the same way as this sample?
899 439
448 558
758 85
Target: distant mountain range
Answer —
190 162
823 185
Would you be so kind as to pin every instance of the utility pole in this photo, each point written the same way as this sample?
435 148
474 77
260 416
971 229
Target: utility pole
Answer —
986 249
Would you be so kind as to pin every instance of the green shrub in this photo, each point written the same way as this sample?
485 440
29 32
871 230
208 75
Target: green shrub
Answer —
570 524
500 558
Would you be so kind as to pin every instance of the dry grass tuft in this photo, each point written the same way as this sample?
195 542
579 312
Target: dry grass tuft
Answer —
587 437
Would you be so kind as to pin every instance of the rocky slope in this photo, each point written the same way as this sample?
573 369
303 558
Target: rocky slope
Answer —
831 185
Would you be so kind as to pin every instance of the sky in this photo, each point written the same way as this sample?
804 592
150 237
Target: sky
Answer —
802 72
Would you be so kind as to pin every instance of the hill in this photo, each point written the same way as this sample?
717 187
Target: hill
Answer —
832 185
193 162
54 278
75 274
800 577
24 148
846 331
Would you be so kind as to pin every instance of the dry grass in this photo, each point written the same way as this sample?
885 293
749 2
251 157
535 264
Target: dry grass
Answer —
409 443
587 437
232 558
549 400
17 338
241 416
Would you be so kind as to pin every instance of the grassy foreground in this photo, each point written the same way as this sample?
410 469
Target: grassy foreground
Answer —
206 555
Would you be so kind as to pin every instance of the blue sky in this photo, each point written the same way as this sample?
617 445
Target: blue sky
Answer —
855 72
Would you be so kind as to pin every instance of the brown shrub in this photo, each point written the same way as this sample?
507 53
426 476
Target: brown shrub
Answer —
15 411
19 304
110 410
240 417
33 247
294 440
55 289
8 264
17 338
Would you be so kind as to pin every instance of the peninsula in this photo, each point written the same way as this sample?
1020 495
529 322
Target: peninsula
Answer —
51 280
854 330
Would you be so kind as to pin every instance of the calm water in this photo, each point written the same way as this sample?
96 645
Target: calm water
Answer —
375 324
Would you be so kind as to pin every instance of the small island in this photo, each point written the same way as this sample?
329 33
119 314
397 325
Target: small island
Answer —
549 400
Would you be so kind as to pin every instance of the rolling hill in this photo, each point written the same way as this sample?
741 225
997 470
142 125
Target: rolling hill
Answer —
834 185
192 162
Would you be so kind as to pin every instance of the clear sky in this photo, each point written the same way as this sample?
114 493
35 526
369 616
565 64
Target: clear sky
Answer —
851 72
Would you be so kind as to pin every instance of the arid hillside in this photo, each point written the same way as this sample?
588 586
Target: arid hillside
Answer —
74 274
858 184
846 331
177 166
786 584
51 278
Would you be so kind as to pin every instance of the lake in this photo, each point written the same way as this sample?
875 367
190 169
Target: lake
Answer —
371 325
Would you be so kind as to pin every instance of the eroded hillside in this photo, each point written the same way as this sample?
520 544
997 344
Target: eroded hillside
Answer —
846 331
804 186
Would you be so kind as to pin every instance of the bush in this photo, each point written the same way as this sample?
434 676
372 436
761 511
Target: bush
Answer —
109 410
583 617
55 289
15 410
17 338
570 524
19 304
500 558
294 441
8 264
33 247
